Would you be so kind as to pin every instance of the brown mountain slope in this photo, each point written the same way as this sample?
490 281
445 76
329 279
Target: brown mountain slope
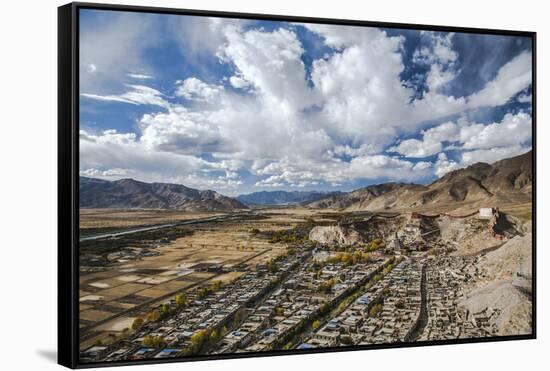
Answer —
508 181
360 198
130 193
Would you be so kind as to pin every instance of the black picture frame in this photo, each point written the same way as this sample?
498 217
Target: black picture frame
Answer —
68 170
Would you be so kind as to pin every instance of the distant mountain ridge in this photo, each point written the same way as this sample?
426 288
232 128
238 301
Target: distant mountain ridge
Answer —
505 181
130 193
283 197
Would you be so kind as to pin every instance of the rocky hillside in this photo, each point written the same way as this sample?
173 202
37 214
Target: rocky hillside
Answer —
130 193
334 235
504 182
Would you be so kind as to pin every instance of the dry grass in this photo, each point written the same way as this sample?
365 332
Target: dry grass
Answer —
116 218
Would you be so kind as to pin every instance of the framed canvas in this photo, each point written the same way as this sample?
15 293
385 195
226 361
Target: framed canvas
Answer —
238 185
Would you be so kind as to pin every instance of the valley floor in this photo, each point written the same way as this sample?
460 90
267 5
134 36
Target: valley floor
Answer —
262 281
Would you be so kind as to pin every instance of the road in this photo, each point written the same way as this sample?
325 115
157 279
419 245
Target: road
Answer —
419 326
216 218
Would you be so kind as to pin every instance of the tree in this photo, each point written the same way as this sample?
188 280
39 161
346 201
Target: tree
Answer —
341 307
153 342
214 336
202 293
137 323
316 324
224 330
375 310
198 339
181 300
326 286
153 316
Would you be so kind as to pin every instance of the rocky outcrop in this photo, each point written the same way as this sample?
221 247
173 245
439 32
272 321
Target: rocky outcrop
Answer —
327 235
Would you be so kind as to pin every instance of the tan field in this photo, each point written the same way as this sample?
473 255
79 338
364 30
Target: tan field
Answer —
116 218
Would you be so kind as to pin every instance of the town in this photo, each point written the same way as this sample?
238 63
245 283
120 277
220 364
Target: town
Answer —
325 281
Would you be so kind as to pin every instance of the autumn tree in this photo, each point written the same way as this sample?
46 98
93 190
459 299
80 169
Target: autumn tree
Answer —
137 323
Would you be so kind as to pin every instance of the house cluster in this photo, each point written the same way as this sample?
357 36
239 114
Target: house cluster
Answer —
446 278
295 303
386 312
217 311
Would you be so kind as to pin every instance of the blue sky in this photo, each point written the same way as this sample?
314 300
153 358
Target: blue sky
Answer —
240 106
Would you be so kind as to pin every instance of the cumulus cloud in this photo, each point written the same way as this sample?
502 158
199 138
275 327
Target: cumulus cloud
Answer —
492 154
511 78
417 148
431 143
238 83
437 77
512 130
270 63
199 36
363 98
525 98
110 154
286 124
182 131
439 49
195 89
443 165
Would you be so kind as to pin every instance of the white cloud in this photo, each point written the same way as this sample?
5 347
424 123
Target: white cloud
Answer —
417 148
370 167
270 63
238 82
198 36
512 130
443 165
195 89
492 155
137 95
439 49
182 131
365 100
116 173
140 76
445 132
431 143
525 98
511 78
437 77
113 155
288 132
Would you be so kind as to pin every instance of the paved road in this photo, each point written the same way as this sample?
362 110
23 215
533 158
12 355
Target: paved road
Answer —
162 226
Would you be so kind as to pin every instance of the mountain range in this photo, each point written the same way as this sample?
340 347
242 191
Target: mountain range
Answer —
130 193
